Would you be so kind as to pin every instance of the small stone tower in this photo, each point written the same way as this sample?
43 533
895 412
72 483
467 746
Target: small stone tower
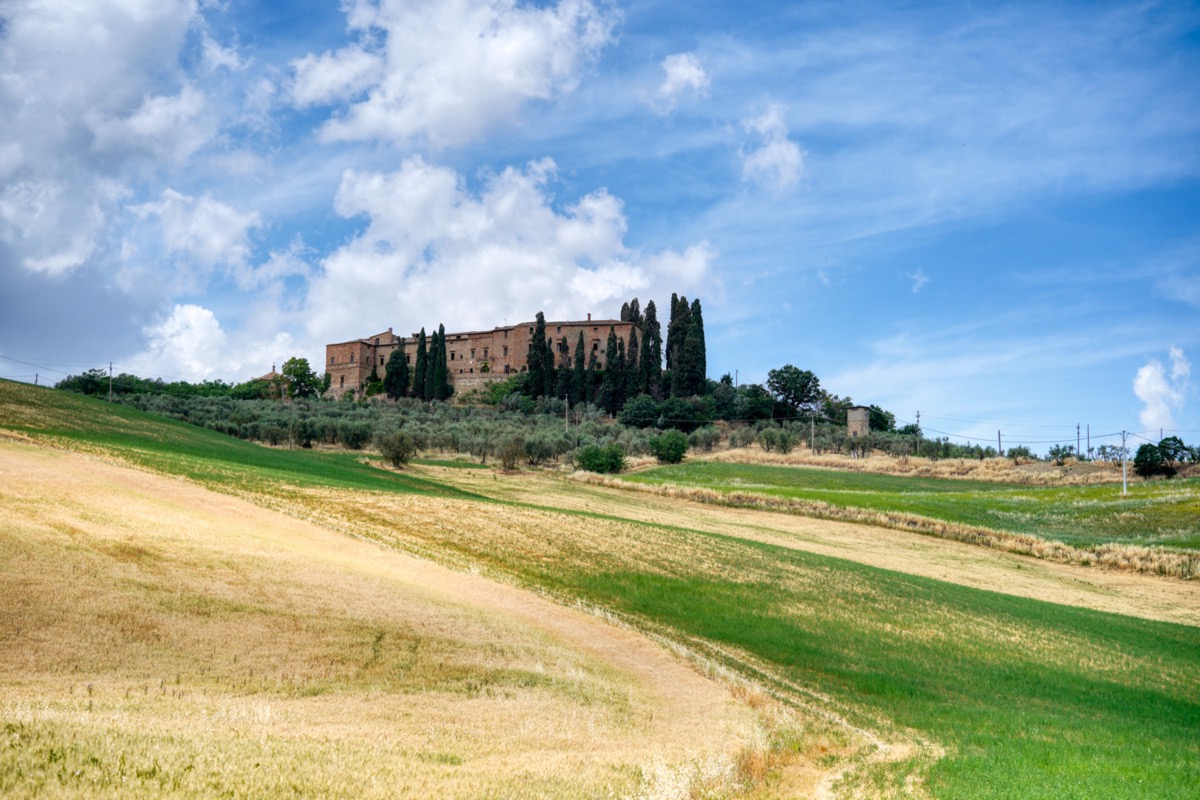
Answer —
858 421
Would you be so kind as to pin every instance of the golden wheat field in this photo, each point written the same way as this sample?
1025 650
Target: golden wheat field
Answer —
157 637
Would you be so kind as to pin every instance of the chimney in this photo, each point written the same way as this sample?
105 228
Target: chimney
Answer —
589 317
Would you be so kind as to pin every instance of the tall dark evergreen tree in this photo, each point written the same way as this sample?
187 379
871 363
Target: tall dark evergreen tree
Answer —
549 369
672 329
441 372
608 384
620 371
535 362
395 376
697 351
431 362
564 375
421 367
590 380
625 312
635 312
650 359
681 370
633 376
579 376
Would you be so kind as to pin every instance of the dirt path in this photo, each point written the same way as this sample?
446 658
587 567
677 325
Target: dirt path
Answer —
1143 596
684 715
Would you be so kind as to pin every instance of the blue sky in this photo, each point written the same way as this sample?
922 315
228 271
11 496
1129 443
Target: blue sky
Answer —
990 214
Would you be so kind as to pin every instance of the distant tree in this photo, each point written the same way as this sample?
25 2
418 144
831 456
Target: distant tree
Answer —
441 372
911 429
326 382
607 459
608 384
669 446
677 333
640 412
753 403
650 357
1059 453
1173 451
395 374
431 361
421 368
535 361
590 378
631 384
93 381
625 312
1149 461
880 420
579 373
798 389
635 312
299 379
397 447
549 369
564 375
697 351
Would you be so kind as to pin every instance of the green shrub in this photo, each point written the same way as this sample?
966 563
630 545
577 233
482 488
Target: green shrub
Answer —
705 438
607 459
397 447
669 447
511 450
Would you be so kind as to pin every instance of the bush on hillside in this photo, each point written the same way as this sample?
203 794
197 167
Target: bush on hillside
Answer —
397 447
669 447
603 459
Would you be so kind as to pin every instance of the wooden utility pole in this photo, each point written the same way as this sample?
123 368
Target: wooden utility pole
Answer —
110 381
999 448
1124 463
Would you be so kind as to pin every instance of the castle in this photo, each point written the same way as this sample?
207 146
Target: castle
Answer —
474 358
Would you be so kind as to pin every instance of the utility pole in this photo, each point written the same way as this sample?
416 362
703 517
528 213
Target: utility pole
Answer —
1124 462
110 381
999 448
1077 451
812 434
35 379
735 379
1089 435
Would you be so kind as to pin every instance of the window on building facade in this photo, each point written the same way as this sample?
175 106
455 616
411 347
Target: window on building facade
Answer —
559 329
332 359
381 361
485 352
352 358
377 341
595 345
506 352
451 355
472 354
342 381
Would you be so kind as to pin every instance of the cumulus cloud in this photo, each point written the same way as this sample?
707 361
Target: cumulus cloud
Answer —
204 230
682 72
1162 394
89 94
447 71
775 161
470 259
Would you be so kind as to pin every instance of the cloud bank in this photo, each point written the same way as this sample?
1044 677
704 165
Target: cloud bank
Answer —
1163 394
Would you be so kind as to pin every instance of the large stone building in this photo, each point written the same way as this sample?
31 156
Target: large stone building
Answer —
473 358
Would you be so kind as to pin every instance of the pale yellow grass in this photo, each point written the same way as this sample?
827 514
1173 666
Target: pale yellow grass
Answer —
1129 593
157 637
1001 470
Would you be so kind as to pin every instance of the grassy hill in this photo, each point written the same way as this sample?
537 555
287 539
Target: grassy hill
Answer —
964 692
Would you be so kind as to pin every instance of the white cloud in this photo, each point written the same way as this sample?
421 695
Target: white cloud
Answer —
89 96
681 72
205 230
776 162
918 278
190 344
1162 395
471 259
447 71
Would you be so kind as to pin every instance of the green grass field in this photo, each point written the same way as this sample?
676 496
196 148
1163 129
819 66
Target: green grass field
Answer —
1027 699
1165 513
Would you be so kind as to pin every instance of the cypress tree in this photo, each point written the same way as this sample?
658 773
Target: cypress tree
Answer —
420 368
633 376
431 363
672 329
680 369
650 359
620 371
608 384
590 379
441 373
625 312
395 375
698 361
579 378
535 362
635 312
549 370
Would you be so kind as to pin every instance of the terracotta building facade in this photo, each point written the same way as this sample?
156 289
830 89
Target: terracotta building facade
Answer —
473 358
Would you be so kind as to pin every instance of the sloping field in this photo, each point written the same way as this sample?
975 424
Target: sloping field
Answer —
157 636
903 685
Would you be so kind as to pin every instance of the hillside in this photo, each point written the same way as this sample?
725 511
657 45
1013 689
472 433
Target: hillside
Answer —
889 664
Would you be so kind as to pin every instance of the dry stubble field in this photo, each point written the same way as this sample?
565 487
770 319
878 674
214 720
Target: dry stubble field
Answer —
155 635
